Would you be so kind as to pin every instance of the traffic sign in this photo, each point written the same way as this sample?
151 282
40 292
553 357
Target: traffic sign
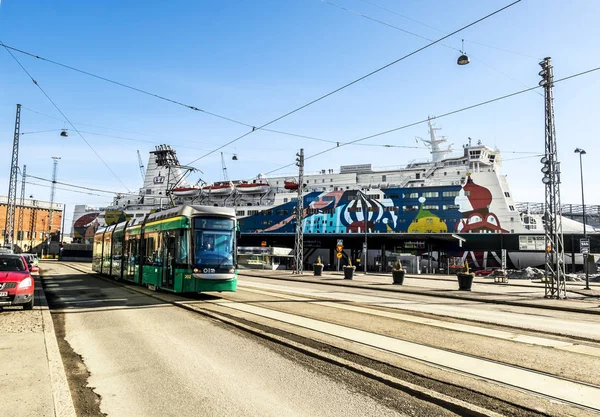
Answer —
340 242
584 246
339 255
339 248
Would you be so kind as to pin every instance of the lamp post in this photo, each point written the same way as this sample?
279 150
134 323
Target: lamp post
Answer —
585 263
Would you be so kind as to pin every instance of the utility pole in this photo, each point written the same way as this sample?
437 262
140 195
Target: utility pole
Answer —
365 209
9 228
52 193
299 244
20 231
555 285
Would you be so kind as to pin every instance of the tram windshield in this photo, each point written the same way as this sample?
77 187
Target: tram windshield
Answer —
214 243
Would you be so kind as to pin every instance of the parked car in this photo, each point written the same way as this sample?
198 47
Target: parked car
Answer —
483 272
32 261
16 282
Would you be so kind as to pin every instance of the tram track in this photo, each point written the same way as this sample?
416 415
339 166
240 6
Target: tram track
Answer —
227 309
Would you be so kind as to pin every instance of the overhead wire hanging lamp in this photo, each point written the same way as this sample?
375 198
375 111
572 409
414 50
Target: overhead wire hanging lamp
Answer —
463 59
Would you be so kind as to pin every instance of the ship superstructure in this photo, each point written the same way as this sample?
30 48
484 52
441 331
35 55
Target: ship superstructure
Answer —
462 194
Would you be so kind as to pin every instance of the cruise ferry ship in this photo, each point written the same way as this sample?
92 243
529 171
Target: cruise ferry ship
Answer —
458 204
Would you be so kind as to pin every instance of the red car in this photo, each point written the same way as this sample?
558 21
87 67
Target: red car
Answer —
16 283
483 272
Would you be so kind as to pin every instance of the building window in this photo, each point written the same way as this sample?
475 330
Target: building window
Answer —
431 194
431 207
450 207
148 191
240 213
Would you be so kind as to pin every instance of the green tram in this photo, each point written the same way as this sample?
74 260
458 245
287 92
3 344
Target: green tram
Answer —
184 249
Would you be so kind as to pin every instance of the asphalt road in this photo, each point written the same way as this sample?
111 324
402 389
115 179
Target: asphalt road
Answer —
143 357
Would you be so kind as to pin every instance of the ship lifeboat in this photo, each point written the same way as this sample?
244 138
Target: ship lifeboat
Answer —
257 186
219 188
290 184
186 191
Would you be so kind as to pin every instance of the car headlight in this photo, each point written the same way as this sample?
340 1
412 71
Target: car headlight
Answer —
26 283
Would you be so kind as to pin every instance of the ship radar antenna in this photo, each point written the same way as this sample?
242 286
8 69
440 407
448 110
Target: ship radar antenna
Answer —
433 143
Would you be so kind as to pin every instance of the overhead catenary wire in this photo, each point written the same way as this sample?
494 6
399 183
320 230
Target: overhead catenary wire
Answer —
63 115
425 38
438 30
462 109
158 96
79 186
357 80
64 189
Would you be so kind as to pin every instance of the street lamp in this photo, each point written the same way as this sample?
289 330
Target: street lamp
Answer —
585 263
463 59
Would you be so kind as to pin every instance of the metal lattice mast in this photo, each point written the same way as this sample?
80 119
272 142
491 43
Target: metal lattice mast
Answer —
20 230
52 192
32 227
555 286
9 228
299 244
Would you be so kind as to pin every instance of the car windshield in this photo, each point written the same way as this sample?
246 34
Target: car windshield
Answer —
12 264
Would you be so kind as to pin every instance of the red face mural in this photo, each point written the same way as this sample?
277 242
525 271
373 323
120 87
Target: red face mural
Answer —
474 203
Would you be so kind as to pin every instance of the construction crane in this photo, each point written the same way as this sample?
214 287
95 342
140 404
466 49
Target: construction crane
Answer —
224 168
52 192
142 171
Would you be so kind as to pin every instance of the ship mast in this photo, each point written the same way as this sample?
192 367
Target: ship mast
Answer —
437 153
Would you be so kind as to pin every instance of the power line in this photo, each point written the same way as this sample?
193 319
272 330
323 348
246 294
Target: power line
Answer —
63 115
483 103
253 127
79 186
423 37
438 30
358 80
63 189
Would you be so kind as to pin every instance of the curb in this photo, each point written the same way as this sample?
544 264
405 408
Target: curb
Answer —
432 294
61 394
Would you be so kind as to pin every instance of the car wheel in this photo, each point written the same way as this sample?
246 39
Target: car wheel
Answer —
29 305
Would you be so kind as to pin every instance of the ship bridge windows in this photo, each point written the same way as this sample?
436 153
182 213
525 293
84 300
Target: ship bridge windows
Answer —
475 154
240 213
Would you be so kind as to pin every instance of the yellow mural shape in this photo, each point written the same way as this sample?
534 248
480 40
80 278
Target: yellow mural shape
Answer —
427 222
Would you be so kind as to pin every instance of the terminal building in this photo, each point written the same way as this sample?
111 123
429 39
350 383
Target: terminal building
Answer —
32 222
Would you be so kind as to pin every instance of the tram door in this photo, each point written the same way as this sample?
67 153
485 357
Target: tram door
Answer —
168 274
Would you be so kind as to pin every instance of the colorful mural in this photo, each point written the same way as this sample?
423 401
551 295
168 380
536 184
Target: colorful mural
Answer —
85 226
474 204
441 209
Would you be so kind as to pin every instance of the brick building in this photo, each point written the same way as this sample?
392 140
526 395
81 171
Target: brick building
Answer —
36 215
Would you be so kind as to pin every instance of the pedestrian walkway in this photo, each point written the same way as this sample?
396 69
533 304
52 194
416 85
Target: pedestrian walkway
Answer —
32 371
524 293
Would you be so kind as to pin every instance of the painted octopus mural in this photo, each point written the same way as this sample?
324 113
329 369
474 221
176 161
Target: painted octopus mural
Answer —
474 204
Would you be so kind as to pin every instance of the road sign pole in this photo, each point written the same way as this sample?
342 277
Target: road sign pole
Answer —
584 249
